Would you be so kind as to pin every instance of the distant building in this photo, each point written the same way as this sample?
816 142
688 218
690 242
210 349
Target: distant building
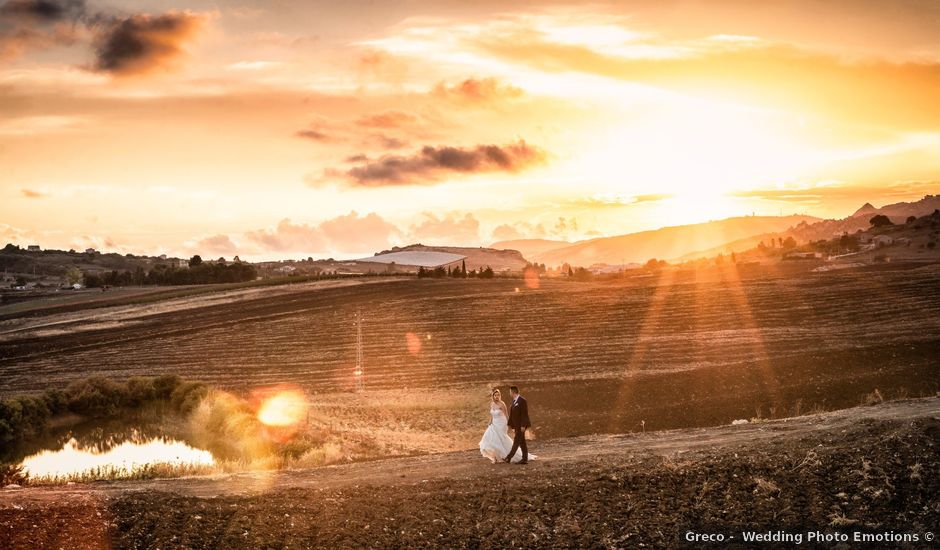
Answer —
33 248
864 238
882 240
90 251
607 269
286 269
418 258
162 256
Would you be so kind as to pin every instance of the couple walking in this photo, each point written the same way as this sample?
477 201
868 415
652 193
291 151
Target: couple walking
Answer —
496 443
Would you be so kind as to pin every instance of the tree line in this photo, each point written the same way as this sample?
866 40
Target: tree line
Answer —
456 272
25 416
198 274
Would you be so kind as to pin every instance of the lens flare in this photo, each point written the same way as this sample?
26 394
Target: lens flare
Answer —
413 343
283 409
531 277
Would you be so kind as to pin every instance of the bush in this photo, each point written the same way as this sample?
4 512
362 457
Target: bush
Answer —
187 396
25 416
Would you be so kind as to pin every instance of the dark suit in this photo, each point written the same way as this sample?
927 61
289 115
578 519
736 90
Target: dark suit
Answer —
519 421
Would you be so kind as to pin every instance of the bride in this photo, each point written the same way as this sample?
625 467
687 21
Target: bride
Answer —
496 442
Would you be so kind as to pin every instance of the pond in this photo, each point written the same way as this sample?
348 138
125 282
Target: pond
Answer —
110 450
127 459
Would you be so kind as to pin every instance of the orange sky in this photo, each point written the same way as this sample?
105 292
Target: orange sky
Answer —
288 129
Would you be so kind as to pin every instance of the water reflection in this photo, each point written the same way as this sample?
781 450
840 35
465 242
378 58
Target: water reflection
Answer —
118 460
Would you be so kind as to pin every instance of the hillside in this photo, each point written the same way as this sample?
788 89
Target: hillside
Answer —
668 242
827 229
530 248
499 260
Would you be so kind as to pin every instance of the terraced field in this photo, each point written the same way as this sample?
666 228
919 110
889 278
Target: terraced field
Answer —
674 349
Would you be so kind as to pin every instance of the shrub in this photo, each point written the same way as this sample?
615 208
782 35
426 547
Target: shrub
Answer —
187 396
24 416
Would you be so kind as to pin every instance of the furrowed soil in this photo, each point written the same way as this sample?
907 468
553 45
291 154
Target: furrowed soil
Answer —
869 469
670 349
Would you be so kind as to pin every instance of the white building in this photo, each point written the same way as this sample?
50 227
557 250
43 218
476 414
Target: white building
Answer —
418 258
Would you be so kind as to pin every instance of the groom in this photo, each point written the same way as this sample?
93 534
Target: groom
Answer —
519 421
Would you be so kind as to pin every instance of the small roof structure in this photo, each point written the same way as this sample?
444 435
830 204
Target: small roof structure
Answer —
417 258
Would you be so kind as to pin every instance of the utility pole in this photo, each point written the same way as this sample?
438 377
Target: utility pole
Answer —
358 371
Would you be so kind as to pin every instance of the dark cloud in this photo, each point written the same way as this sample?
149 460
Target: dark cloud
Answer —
315 135
432 164
39 24
143 43
43 11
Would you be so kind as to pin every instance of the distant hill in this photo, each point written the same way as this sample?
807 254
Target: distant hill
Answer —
827 229
530 247
668 242
499 260
899 211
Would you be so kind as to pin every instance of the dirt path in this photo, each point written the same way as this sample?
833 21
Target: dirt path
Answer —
874 469
553 455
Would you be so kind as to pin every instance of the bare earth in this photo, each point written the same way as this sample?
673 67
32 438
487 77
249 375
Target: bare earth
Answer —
865 468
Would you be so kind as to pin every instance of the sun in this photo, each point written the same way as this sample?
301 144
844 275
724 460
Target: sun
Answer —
699 152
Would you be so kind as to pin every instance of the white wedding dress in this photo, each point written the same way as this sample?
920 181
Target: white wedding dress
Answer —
496 443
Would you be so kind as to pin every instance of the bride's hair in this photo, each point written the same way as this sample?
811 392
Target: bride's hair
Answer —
494 392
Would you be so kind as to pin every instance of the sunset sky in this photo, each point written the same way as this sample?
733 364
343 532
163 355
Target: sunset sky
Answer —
275 129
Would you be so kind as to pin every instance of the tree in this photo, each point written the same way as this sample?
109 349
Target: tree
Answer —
195 260
221 260
463 267
236 259
734 258
911 219
73 275
789 243
880 221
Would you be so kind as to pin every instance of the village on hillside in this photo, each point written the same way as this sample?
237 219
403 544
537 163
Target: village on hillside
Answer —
903 232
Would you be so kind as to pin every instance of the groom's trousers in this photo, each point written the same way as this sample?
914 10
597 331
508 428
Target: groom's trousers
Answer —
518 442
